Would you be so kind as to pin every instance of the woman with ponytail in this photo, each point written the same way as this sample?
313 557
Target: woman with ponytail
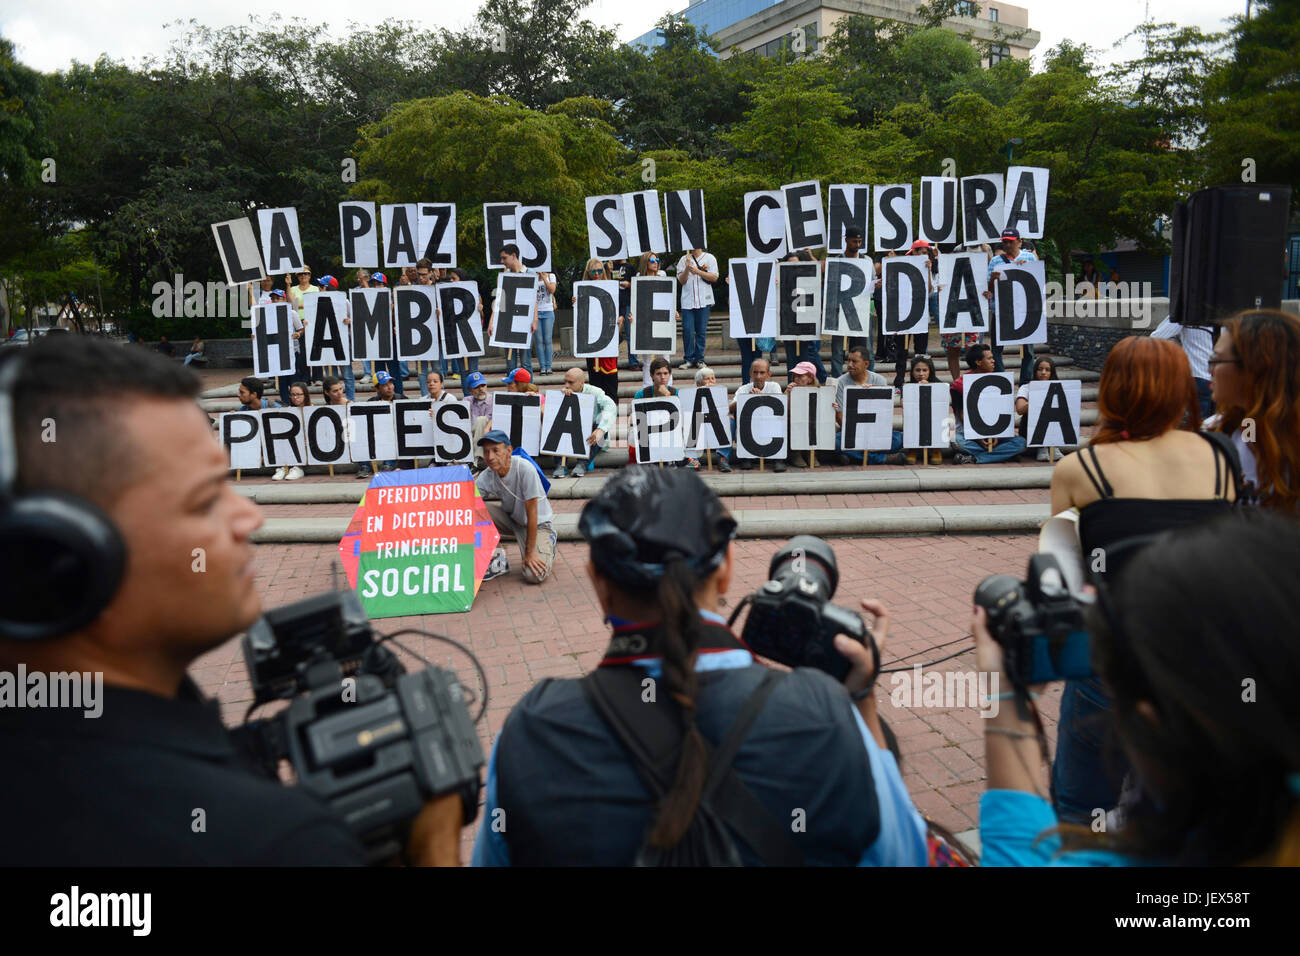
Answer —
679 748
1196 642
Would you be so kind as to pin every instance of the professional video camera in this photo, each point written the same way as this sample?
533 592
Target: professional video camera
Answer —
371 740
791 619
1038 623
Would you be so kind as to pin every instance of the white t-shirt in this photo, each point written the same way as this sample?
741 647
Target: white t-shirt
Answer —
545 301
696 293
521 484
771 388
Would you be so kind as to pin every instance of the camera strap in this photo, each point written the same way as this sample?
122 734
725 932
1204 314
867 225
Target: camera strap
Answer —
652 734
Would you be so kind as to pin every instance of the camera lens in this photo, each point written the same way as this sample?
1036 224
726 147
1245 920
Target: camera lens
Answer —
808 557
996 594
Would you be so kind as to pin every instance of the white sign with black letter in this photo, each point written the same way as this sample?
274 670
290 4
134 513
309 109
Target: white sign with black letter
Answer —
990 405
925 414
1054 413
760 425
657 433
595 319
281 247
705 408
812 418
765 225
567 421
867 418
273 340
519 415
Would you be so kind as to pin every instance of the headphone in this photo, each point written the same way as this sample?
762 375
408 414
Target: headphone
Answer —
61 558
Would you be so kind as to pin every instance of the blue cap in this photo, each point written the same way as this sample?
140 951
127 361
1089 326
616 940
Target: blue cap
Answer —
383 378
474 380
495 435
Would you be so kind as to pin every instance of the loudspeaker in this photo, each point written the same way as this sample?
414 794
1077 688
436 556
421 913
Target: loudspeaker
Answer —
1229 245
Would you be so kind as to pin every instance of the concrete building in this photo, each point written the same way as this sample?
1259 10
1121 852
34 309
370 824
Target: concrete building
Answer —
769 26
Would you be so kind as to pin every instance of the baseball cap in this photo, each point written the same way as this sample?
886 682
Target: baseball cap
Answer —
804 368
475 379
495 435
518 375
1010 233
379 277
327 282
383 378
853 232
277 293
921 244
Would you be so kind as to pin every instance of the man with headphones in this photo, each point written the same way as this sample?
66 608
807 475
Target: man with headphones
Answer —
126 553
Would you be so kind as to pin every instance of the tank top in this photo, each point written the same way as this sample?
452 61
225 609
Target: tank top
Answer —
1108 521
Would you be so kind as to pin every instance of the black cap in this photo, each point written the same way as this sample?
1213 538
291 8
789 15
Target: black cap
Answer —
643 518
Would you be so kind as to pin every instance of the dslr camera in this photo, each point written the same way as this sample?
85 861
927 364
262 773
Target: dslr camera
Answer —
369 739
791 619
1038 623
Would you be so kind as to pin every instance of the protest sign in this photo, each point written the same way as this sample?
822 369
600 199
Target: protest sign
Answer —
892 217
981 202
962 280
567 421
848 205
281 245
595 319
752 298
1053 416
988 405
1026 200
684 214
459 320
657 433
760 425
237 246
606 238
805 227
642 226
938 211
419 543
240 435
846 308
812 418
925 415
1022 304
904 306
654 328
417 323
519 415
515 310
765 225
867 418
328 341
401 235
436 229
359 235
799 306
273 342
373 436
706 424
372 324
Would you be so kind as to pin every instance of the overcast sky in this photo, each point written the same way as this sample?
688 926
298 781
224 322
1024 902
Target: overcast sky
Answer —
50 34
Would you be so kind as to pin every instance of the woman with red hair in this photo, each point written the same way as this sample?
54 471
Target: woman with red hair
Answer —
1146 470
1255 382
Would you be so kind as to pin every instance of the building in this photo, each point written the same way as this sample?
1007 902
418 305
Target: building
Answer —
770 26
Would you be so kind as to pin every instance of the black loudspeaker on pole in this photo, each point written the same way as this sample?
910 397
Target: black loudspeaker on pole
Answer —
1228 254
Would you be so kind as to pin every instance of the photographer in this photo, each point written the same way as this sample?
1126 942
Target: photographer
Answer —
812 778
1195 644
125 554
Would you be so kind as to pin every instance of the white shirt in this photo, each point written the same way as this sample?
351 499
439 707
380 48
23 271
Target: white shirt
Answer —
771 388
545 301
1196 341
696 293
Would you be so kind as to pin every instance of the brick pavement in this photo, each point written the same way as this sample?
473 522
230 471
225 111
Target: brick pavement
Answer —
523 633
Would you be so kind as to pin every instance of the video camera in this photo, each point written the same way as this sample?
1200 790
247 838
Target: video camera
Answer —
372 741
791 619
1038 623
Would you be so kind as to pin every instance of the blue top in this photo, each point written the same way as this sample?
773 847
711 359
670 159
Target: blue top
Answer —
902 839
1011 822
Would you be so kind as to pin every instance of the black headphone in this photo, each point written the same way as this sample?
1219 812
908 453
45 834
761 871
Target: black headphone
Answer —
61 558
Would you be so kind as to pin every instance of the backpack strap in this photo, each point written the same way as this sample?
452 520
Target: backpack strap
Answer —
652 733
1223 445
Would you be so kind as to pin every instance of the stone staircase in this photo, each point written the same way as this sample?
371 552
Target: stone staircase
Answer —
837 500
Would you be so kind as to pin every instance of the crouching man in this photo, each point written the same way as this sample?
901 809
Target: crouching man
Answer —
524 512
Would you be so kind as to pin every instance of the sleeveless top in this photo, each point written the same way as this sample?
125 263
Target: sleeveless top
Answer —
1110 520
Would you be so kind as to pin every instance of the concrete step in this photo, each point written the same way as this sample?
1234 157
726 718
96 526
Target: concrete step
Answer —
759 523
820 481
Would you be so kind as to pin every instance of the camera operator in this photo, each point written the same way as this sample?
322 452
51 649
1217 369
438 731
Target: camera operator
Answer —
1195 643
812 777
125 554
